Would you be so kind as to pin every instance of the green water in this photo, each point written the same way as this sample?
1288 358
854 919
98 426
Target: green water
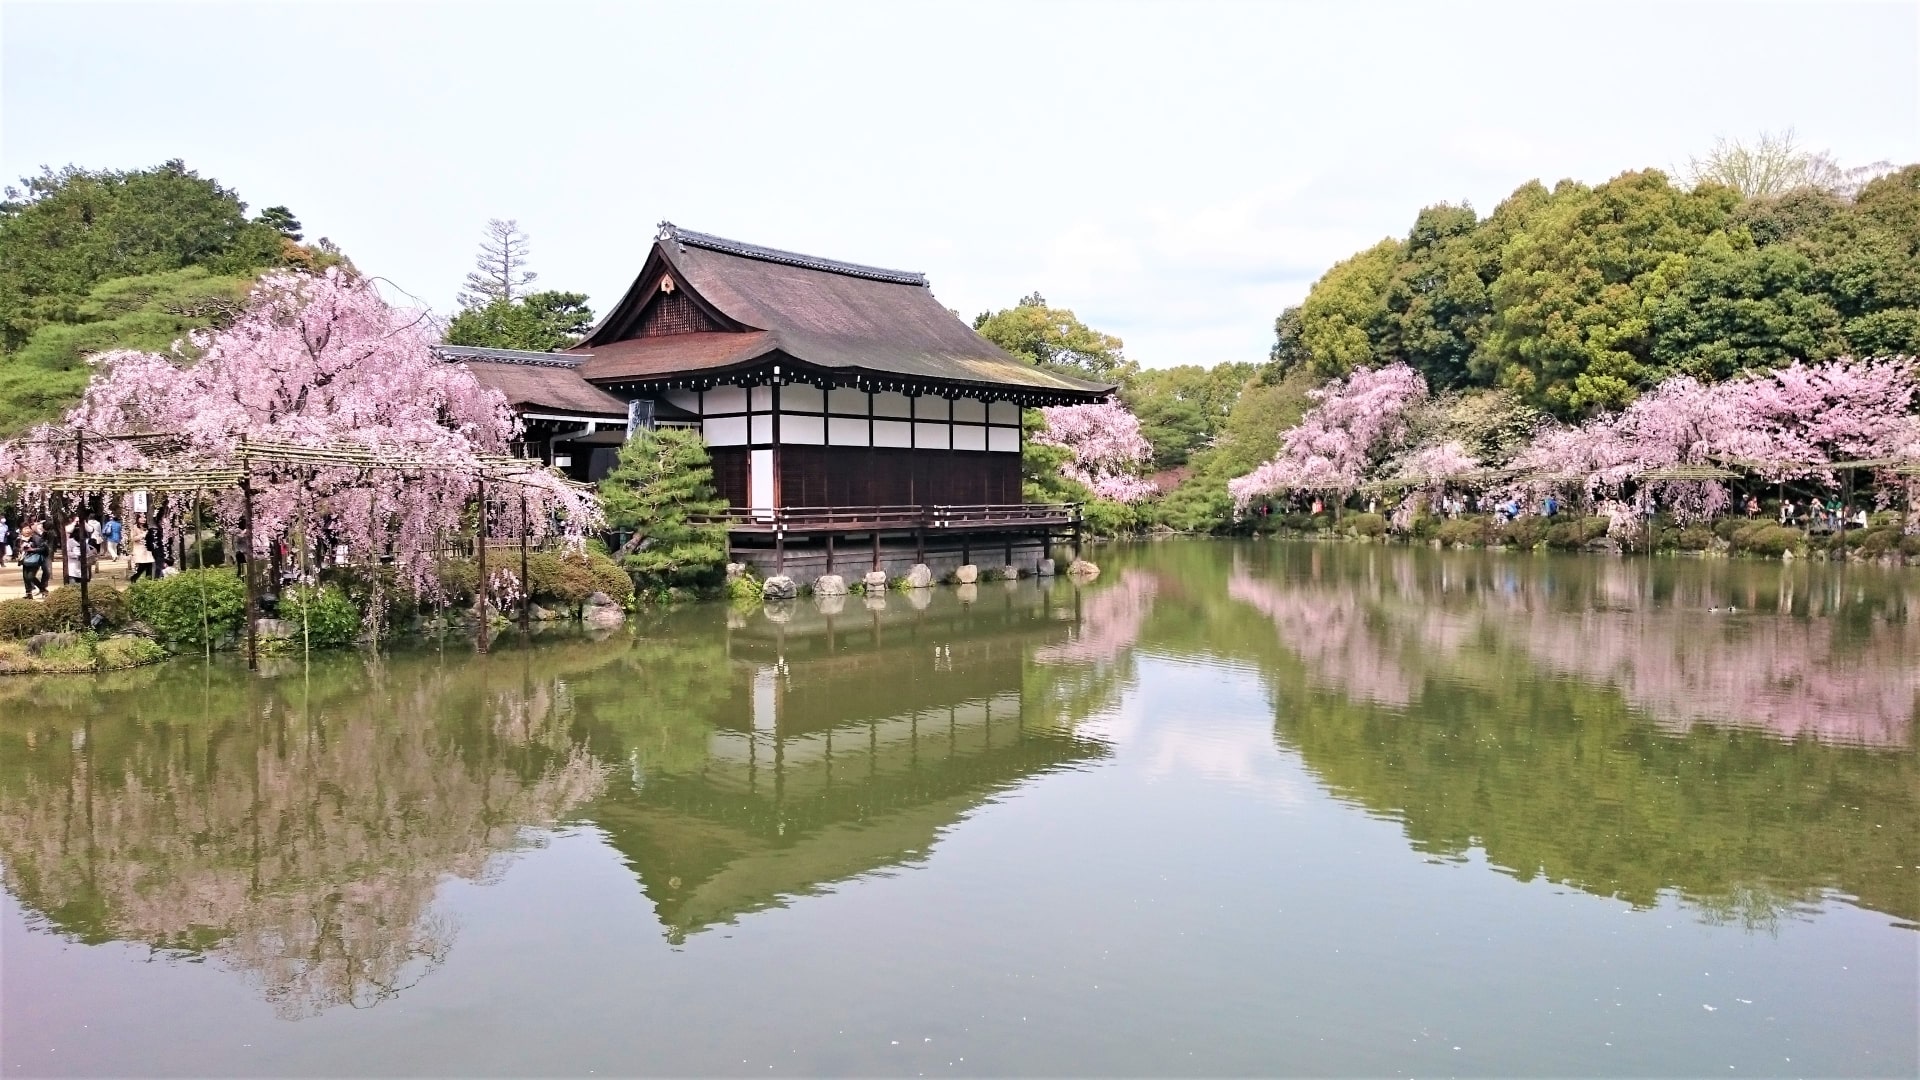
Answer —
1231 809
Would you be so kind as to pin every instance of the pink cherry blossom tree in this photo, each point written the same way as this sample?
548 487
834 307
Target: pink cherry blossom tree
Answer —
316 362
1354 421
1108 453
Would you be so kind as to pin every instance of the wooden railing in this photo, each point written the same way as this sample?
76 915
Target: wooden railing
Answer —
830 519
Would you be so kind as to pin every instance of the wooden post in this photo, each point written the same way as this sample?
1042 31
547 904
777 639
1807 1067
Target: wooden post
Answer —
1846 508
779 548
876 550
829 553
253 596
480 554
526 588
1076 532
80 466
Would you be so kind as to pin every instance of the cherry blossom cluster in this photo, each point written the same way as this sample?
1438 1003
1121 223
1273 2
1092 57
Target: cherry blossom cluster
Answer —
317 361
1353 422
1108 451
1794 423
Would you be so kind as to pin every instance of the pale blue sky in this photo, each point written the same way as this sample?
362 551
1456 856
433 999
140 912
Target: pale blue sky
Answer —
1175 173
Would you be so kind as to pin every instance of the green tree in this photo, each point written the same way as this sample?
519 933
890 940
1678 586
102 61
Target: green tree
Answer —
1344 321
150 312
1182 409
63 232
1436 296
662 479
1055 338
539 322
1571 327
281 220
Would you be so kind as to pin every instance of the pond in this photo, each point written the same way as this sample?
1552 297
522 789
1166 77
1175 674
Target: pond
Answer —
1232 808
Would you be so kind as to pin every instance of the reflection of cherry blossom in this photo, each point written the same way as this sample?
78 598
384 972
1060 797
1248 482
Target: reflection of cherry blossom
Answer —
1111 618
302 848
1670 655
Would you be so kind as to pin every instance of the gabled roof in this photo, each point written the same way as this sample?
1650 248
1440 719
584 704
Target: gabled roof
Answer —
536 382
751 303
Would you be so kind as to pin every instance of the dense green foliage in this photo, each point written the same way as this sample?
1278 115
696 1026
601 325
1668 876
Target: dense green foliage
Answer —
537 322
1055 338
98 260
193 609
1183 409
323 614
1580 297
662 479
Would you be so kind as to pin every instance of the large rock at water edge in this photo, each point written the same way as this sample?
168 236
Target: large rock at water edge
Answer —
268 629
779 587
830 585
875 581
1044 568
1082 570
38 644
920 577
966 575
600 599
603 615
1009 573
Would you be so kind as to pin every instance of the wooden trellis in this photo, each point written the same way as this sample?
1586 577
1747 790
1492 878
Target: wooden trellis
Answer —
188 476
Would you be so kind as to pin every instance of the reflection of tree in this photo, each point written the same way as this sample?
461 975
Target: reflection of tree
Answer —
1508 710
1659 642
1072 679
294 829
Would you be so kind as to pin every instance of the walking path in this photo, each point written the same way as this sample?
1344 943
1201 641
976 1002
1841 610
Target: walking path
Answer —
115 574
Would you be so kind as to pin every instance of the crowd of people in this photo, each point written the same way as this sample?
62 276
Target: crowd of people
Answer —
87 541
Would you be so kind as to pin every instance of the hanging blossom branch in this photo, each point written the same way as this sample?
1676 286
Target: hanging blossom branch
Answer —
317 362
1108 451
1355 419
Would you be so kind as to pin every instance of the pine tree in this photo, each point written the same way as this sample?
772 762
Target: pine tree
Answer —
664 477
500 270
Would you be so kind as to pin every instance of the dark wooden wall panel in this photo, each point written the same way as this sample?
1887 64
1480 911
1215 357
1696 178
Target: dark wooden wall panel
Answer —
882 476
730 473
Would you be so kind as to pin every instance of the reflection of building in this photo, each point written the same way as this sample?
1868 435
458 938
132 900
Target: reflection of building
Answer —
847 744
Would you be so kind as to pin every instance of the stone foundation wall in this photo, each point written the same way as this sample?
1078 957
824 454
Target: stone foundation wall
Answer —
853 560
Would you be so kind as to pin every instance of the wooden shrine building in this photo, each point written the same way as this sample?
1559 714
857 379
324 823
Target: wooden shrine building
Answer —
841 404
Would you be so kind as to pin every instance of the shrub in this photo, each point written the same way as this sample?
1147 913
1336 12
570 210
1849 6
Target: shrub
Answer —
561 579
1694 538
23 618
1366 525
191 607
1727 526
1910 545
328 618
107 604
609 577
1761 538
1525 533
1461 532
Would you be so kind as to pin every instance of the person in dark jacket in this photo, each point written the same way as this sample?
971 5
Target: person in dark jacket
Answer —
35 553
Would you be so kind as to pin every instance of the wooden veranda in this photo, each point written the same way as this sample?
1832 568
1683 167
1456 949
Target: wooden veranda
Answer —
1049 522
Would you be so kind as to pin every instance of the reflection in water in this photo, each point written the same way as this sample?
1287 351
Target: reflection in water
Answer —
844 741
1121 807
1601 726
1682 651
294 829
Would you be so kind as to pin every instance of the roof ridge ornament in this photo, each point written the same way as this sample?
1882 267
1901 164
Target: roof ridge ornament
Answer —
687 238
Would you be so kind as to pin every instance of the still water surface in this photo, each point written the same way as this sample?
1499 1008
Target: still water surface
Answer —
1278 809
